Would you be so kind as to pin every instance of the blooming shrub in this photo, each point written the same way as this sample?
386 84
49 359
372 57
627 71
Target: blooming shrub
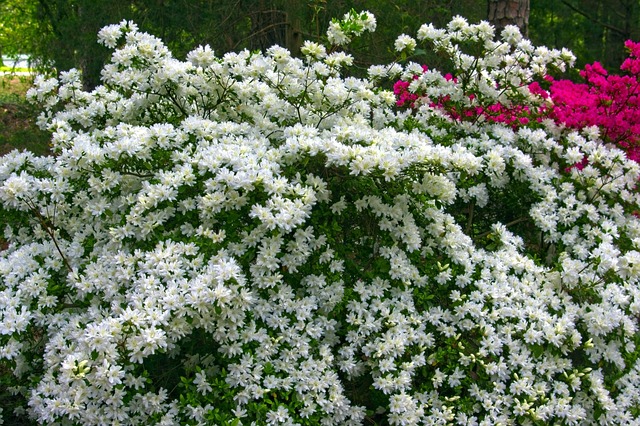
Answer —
515 115
260 239
610 102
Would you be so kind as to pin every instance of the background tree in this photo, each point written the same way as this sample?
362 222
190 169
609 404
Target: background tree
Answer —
61 33
509 12
19 28
595 30
71 28
67 28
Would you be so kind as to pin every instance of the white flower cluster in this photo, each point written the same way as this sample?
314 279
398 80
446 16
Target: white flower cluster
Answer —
500 74
353 24
264 240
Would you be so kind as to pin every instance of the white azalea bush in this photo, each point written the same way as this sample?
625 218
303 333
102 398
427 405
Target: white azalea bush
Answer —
260 239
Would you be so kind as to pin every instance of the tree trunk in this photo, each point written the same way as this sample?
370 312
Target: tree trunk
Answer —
509 12
294 10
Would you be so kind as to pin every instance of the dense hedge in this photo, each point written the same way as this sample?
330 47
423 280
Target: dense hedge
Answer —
260 239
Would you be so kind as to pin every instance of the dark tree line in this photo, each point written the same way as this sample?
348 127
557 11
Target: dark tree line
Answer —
62 33
594 29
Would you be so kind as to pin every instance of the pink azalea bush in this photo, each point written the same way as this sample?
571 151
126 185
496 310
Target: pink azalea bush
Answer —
259 239
609 102
512 115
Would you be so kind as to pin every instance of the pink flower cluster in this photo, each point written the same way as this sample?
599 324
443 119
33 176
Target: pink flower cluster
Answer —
513 115
405 98
610 102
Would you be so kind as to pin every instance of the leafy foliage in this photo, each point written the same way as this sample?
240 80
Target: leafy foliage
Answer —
258 238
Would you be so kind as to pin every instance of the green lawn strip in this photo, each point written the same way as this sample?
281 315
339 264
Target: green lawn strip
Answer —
18 129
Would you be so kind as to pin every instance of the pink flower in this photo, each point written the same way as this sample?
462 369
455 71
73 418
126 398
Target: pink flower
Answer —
608 101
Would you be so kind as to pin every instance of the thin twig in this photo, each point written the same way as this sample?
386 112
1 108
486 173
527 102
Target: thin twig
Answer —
586 15
50 230
506 225
470 219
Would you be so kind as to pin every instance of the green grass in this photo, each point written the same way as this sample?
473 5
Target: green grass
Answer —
12 70
18 128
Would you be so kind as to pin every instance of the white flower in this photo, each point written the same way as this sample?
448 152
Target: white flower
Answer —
405 43
201 383
313 50
202 56
429 32
281 415
336 36
511 34
368 21
338 207
338 59
109 35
